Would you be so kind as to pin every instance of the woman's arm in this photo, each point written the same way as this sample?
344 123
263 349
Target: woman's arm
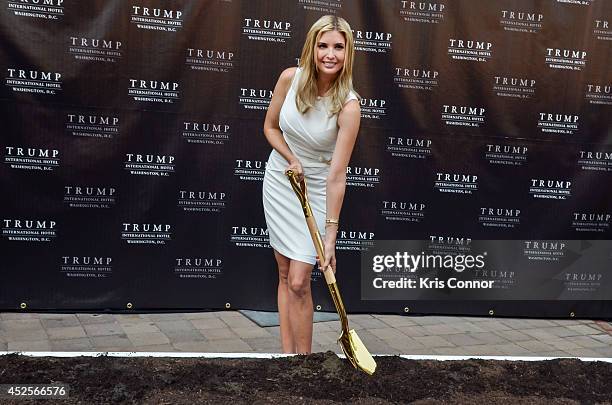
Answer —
272 129
348 122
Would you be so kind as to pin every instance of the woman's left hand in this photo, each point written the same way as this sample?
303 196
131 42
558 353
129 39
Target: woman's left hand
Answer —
330 256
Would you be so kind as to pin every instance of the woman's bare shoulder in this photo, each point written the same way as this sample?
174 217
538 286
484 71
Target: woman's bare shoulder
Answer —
287 75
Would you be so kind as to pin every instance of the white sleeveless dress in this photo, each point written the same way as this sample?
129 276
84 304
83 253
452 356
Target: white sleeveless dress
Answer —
312 139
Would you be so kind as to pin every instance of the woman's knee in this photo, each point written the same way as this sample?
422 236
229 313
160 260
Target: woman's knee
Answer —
299 286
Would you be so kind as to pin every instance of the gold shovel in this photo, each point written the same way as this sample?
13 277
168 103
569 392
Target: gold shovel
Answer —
352 346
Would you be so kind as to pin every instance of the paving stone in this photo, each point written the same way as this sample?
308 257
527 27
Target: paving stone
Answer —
324 338
554 353
604 351
21 325
196 346
112 341
157 348
131 318
273 330
489 337
25 335
405 345
513 335
3 346
199 315
396 320
509 349
29 346
518 324
252 332
238 322
208 323
463 339
441 329
449 351
18 316
387 333
218 334
603 337
71 345
148 338
413 330
535 346
230 346
493 325
179 336
540 334
433 341
56 323
565 331
66 332
585 353
163 317
465 327
264 345
88 319
564 344
591 329
175 325
134 328
367 321
103 329
429 320
566 322
587 341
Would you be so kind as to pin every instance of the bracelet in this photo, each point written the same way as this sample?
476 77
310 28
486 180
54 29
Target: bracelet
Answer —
331 221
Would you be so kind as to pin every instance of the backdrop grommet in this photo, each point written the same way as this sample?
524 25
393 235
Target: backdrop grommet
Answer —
23 305
572 314
228 305
406 309
318 307
491 312
129 305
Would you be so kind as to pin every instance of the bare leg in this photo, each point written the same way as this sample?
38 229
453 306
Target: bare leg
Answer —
286 333
300 305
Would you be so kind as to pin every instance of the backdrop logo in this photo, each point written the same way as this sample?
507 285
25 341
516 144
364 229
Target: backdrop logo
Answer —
402 211
564 124
374 109
501 154
465 116
97 50
520 21
255 99
157 19
479 51
250 170
154 91
421 11
89 197
86 266
149 165
208 268
550 189
210 60
29 230
266 30
515 87
412 148
456 183
565 59
33 81
372 41
443 245
583 282
598 161
321 6
544 251
248 236
31 158
577 2
206 132
354 240
358 176
417 79
202 201
500 218
601 30
92 126
502 279
598 94
591 221
43 9
146 233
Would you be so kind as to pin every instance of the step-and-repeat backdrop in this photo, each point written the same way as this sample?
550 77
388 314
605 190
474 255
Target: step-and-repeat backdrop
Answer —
133 151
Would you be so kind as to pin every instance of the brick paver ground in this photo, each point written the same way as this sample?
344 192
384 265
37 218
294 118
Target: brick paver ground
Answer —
230 331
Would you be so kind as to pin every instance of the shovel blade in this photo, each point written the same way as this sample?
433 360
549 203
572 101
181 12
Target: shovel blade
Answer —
356 352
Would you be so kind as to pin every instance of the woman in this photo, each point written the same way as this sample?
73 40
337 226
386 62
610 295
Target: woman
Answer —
311 124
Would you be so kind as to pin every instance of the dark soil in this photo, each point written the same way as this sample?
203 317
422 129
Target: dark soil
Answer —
319 378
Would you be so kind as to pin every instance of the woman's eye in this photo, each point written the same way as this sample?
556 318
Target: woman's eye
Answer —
322 46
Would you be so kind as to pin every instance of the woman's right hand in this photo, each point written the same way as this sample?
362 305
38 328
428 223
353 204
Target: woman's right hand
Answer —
296 167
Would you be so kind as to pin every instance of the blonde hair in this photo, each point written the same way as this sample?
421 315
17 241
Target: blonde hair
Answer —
307 90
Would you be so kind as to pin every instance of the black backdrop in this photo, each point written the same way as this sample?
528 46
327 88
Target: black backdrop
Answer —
134 152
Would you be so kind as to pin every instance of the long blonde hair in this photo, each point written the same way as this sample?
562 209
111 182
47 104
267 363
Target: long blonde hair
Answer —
307 90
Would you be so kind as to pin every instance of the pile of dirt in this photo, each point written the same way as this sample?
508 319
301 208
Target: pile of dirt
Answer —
320 378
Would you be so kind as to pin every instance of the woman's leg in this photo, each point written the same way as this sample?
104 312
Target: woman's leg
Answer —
300 305
286 333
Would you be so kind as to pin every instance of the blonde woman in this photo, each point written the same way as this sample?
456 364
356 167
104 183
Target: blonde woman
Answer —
311 124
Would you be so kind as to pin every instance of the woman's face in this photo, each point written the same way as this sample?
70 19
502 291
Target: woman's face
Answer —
330 52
